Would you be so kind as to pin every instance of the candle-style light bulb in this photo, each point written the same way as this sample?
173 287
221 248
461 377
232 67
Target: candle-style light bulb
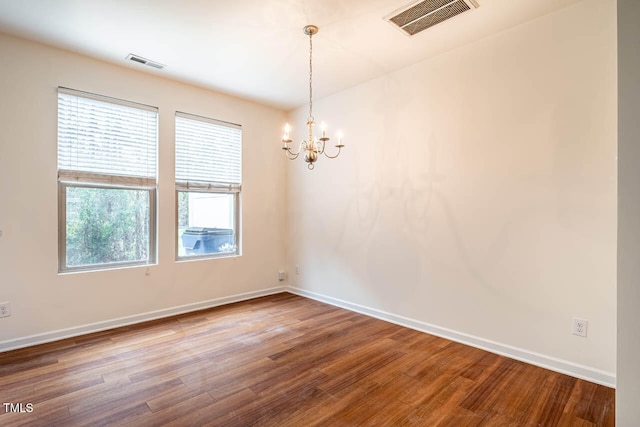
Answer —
286 132
324 129
340 137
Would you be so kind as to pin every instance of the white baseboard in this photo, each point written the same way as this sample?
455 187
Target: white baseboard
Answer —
548 362
130 320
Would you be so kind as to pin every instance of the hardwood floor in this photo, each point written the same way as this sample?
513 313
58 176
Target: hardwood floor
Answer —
285 360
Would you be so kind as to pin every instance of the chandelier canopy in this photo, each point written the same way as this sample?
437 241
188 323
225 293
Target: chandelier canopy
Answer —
312 147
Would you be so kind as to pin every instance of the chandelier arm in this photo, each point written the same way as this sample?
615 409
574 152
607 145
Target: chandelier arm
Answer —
322 145
295 155
333 157
290 155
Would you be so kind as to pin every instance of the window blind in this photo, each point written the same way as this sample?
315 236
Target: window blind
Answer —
100 137
208 153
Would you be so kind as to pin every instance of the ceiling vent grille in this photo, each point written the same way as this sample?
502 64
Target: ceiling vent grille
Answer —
418 16
145 61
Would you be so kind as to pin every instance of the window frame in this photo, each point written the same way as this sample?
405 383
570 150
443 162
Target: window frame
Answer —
211 187
236 219
81 179
62 227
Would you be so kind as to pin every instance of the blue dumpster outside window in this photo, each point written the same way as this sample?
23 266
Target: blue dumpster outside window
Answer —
205 240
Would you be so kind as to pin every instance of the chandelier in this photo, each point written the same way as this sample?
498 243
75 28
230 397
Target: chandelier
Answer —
312 147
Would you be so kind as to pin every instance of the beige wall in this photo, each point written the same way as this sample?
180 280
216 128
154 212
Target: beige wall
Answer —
42 300
628 386
477 193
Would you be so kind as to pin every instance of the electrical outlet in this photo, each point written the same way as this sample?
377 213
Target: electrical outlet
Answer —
281 276
297 269
580 327
5 309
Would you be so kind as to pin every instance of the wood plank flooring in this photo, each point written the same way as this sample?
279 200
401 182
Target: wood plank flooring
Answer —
285 360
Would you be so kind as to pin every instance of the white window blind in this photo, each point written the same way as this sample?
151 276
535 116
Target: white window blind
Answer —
101 139
208 153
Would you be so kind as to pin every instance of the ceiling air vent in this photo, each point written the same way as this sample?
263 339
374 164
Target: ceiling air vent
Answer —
145 61
423 14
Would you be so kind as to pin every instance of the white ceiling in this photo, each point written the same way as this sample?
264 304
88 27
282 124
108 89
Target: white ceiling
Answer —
256 48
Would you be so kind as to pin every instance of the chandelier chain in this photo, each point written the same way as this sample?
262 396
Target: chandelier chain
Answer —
310 77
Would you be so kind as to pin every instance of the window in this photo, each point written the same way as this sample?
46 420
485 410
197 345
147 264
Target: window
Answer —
106 182
208 184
